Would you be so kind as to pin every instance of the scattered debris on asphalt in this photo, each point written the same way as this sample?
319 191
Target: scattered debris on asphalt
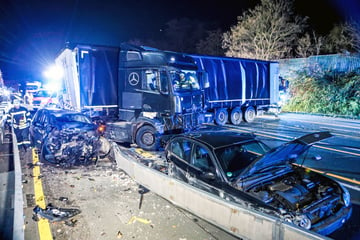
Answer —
54 214
134 219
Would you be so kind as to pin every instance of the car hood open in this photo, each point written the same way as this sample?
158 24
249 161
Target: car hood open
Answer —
287 152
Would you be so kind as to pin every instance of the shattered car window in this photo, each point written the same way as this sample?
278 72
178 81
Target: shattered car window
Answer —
182 149
201 159
233 159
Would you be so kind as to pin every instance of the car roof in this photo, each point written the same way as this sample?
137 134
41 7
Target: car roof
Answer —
60 112
219 138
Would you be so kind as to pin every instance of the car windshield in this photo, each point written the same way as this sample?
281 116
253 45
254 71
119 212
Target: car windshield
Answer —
184 81
235 158
42 94
74 118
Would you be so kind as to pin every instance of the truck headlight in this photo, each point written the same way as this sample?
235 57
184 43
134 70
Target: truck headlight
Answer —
178 108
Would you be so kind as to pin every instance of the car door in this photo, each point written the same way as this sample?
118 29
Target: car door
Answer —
38 127
203 170
180 150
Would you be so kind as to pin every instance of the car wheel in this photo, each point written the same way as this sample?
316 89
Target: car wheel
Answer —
46 154
147 139
221 116
249 114
236 116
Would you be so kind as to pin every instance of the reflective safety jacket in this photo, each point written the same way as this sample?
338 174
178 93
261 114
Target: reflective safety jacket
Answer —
20 118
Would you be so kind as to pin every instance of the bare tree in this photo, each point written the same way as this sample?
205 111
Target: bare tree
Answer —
318 43
304 47
269 31
309 45
343 37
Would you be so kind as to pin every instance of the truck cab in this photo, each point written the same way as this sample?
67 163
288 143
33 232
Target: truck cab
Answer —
159 94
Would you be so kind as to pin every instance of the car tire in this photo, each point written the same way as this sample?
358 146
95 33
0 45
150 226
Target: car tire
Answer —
45 154
146 138
249 114
221 116
236 116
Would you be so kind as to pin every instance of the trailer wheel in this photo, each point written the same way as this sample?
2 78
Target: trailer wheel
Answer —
236 116
146 138
249 114
221 116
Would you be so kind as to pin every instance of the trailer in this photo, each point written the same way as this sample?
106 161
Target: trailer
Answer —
239 89
144 93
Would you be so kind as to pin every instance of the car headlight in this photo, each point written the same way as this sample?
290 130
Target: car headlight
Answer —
302 221
345 196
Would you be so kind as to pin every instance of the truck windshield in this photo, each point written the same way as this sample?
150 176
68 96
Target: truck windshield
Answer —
184 81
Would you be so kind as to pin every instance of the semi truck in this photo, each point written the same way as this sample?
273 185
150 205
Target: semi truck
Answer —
239 89
144 93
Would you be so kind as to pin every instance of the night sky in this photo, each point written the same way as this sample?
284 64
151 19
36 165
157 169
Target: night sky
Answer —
34 31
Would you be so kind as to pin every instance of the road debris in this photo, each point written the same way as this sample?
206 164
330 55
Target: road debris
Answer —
142 190
134 219
54 214
119 234
63 199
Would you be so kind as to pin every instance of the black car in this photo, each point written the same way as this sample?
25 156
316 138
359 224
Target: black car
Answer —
240 168
65 137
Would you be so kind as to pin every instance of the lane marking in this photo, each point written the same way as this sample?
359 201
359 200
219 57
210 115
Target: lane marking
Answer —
335 176
337 150
287 138
329 124
330 149
43 224
302 128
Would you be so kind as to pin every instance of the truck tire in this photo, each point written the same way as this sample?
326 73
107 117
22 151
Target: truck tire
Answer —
249 114
236 116
146 138
221 116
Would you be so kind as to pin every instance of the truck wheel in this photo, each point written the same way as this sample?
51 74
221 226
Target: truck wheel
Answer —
249 114
236 116
221 116
146 138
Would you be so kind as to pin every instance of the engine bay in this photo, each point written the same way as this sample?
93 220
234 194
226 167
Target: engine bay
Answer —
300 193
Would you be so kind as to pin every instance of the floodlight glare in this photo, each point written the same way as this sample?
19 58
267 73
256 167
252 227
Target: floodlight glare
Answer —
53 73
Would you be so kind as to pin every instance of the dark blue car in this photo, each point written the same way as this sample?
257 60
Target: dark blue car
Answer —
64 137
240 168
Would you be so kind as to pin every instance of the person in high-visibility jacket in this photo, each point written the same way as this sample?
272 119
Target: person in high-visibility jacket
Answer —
20 118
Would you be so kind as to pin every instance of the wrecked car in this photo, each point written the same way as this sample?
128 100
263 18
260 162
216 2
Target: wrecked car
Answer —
66 137
241 168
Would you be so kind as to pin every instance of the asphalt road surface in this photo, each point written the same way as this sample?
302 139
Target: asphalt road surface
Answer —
112 207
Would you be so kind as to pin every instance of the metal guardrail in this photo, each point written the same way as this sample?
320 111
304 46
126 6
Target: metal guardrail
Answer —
18 226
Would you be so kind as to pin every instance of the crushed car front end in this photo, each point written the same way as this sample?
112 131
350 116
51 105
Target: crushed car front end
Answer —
303 197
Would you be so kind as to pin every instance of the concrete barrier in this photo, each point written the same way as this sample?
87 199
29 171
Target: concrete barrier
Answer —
18 227
240 220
